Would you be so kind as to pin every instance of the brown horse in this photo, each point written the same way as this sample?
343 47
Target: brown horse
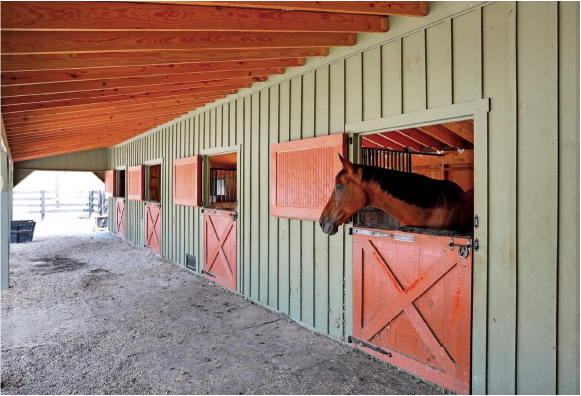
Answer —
413 200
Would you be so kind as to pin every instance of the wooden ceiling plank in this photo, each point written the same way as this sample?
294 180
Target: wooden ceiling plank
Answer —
84 138
106 93
104 119
444 135
391 8
114 107
107 16
68 75
422 138
110 111
464 129
61 107
11 63
141 84
113 130
403 141
384 143
32 42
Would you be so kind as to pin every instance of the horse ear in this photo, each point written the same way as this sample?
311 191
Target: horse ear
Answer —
347 165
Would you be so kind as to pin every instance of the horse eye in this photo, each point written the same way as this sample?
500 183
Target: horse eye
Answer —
338 188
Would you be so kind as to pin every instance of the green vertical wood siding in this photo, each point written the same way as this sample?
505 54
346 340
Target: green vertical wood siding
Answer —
523 57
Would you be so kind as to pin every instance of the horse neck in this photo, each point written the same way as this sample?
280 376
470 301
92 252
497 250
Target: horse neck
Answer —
384 200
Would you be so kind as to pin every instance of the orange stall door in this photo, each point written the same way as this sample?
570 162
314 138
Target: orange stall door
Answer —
153 227
120 217
220 247
412 304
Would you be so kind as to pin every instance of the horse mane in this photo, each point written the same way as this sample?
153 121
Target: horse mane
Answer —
412 188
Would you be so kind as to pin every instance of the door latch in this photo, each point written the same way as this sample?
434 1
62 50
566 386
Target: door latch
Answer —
463 249
234 216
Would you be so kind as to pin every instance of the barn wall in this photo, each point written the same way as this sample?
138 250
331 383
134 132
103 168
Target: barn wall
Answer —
525 58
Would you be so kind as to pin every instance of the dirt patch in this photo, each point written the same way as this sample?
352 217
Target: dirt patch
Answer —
97 315
53 265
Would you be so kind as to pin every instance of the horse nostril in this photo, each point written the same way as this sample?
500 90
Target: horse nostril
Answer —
321 224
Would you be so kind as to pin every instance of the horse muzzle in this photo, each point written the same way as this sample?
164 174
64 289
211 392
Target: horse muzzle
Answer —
328 227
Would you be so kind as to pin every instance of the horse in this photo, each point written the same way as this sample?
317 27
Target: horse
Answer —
412 199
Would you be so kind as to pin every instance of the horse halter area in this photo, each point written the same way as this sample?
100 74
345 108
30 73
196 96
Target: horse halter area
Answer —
412 287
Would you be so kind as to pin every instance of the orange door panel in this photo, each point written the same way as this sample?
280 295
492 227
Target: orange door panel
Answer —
120 217
220 247
153 227
412 304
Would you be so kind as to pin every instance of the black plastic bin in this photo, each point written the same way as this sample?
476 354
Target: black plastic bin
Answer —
22 231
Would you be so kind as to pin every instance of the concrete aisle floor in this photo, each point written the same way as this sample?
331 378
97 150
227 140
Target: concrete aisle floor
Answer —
94 314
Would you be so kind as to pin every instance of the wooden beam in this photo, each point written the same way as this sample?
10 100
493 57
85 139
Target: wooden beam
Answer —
105 16
403 141
445 135
392 8
13 63
372 144
109 111
464 129
96 132
120 106
111 95
65 42
59 107
139 84
384 142
422 138
68 75
106 119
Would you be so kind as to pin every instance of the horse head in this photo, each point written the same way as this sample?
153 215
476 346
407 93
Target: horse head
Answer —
348 198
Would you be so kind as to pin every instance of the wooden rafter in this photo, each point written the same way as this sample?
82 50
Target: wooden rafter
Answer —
112 95
393 8
12 63
105 73
105 111
26 43
445 135
402 141
138 84
422 138
109 16
58 107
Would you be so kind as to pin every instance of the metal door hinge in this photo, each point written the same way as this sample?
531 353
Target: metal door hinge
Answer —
363 344
476 245
234 216
351 231
476 221
350 140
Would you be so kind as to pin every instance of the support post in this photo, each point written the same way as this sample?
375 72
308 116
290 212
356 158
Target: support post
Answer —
90 203
5 212
101 203
42 206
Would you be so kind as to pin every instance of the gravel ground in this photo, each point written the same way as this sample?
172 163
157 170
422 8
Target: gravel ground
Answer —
92 314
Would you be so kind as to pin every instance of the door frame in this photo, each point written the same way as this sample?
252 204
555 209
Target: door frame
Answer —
237 148
476 110
116 198
146 165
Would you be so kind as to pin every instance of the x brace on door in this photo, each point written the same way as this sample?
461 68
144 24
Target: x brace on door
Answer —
402 300
219 249
152 229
